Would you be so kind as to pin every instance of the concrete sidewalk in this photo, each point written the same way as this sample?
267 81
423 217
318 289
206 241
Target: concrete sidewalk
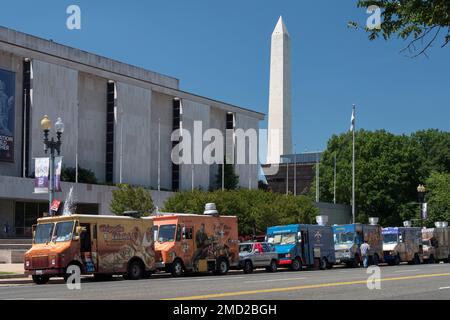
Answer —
12 270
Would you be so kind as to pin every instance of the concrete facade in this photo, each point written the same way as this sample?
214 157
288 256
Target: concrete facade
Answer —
72 84
279 121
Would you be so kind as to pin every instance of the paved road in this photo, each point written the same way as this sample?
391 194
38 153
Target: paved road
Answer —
399 282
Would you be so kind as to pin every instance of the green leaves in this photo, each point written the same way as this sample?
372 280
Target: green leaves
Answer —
256 209
128 198
438 197
418 20
388 170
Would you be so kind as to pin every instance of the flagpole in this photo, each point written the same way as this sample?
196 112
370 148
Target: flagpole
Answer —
295 170
317 179
353 165
334 182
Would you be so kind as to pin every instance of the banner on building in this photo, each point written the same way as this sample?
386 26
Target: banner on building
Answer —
58 168
7 115
41 172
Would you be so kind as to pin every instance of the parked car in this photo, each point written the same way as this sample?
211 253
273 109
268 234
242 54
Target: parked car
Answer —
254 255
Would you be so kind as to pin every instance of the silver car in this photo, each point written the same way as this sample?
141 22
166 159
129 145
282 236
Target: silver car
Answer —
254 255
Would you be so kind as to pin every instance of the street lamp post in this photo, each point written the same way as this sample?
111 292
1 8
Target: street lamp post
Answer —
421 198
54 147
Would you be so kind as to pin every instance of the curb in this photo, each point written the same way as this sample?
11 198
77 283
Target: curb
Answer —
14 276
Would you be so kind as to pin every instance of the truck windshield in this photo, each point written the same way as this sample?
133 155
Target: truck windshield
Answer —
280 239
426 243
247 248
63 231
43 233
344 238
167 233
390 238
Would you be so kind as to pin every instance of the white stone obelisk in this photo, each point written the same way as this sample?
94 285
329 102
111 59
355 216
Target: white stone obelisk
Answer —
279 134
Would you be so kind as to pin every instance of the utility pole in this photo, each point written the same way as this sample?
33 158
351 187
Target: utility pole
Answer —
334 182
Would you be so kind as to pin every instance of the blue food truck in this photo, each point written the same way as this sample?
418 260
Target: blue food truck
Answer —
300 245
348 239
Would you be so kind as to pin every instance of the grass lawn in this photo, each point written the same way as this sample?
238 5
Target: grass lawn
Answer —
5 273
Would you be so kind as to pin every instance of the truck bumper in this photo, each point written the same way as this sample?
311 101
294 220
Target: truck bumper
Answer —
284 262
46 272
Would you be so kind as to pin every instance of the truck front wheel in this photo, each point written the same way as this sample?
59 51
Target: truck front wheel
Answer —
177 268
296 265
40 279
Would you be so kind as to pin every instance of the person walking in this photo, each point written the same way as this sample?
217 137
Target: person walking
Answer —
365 248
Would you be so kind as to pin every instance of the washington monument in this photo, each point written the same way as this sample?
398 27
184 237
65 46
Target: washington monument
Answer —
280 134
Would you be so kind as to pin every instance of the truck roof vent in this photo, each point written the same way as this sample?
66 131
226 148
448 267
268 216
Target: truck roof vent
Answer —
444 224
322 220
210 209
407 224
132 214
373 221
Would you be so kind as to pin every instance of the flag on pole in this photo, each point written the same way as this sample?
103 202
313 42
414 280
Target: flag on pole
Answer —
352 127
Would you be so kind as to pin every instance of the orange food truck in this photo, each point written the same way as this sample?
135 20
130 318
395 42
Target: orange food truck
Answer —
98 245
197 243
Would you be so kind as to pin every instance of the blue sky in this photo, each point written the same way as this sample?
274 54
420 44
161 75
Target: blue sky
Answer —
222 50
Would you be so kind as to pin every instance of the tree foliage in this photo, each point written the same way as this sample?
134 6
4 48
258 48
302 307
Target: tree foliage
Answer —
129 198
68 174
438 197
256 209
388 170
231 179
419 21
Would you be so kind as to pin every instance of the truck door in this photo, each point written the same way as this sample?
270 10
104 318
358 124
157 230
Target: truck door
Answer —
86 244
187 243
305 254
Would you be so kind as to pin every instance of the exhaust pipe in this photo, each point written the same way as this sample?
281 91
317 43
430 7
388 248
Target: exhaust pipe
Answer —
322 220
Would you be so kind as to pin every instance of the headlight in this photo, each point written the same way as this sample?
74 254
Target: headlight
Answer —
288 255
27 263
392 253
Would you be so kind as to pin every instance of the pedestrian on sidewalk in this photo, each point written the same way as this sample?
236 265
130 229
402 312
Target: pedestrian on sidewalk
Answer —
365 248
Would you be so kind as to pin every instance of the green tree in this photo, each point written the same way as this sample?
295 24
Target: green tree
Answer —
256 209
420 22
438 197
388 169
68 174
129 198
231 178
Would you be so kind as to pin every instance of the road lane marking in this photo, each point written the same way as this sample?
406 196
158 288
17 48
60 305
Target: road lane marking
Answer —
274 280
444 288
312 286
400 271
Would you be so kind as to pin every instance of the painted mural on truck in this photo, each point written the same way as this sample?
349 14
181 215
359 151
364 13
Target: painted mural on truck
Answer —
7 93
119 243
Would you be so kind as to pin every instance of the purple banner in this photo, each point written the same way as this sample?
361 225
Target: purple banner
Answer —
41 170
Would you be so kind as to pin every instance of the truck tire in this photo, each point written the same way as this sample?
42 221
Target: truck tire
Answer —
40 279
248 267
176 268
273 266
431 260
396 260
356 261
416 259
376 259
323 263
222 266
296 265
135 270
